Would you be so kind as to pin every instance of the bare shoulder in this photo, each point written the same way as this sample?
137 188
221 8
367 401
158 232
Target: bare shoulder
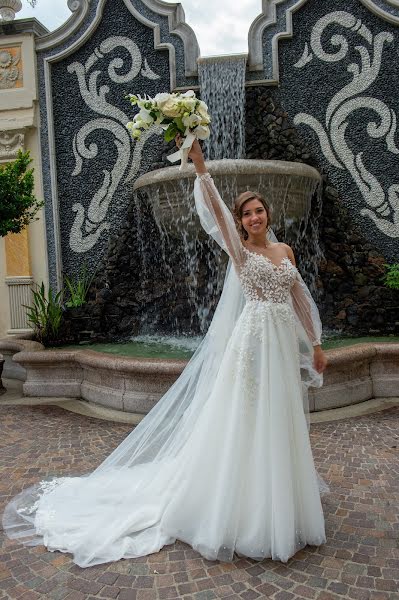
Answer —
289 251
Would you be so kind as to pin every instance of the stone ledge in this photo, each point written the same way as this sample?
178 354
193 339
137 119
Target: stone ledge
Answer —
354 374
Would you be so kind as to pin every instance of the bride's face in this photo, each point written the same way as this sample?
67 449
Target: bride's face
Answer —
254 217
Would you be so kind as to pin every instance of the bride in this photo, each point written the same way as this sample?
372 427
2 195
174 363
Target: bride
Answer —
223 461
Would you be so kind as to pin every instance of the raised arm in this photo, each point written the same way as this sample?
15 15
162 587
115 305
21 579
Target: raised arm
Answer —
215 217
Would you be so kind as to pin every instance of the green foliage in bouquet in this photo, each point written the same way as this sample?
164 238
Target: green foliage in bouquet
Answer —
45 314
391 277
18 205
78 287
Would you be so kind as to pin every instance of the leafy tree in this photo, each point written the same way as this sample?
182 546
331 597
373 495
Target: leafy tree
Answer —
18 205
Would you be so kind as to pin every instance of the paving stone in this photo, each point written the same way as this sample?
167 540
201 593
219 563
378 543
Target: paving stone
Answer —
283 595
389 585
360 560
317 582
250 595
110 591
108 578
128 595
339 588
187 588
304 591
168 592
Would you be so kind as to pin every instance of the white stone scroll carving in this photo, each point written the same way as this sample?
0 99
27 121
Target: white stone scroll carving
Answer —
91 222
381 206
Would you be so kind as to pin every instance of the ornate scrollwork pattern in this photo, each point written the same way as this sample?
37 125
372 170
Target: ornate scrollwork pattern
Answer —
10 143
92 221
382 207
10 68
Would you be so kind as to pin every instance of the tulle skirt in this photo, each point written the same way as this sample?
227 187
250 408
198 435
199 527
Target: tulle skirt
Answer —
243 481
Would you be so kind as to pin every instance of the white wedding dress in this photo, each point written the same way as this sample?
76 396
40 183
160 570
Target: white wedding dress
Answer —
223 461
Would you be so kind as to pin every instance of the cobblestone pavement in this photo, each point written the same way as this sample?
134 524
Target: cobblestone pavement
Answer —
357 456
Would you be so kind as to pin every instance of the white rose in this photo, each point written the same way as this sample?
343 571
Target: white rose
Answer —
189 103
189 94
171 108
201 132
205 118
162 99
191 121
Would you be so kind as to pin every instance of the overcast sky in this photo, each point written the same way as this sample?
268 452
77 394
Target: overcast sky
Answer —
221 26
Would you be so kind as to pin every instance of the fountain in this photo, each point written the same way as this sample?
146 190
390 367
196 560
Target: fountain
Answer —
162 218
168 194
289 188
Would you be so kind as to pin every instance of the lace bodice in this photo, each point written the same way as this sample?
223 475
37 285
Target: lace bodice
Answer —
262 280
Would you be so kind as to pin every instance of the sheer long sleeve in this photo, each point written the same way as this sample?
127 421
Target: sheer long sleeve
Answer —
216 218
306 310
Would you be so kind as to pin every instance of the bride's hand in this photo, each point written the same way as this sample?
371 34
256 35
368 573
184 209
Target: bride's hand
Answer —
195 154
319 359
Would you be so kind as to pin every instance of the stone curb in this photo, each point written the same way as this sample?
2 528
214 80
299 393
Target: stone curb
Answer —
354 374
14 397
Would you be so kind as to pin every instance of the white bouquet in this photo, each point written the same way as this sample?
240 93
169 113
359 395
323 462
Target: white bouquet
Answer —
176 113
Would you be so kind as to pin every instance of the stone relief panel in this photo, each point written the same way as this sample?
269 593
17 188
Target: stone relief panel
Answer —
96 159
10 143
338 80
91 221
109 49
11 71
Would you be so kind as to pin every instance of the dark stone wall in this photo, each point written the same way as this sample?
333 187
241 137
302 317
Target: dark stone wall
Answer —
107 132
349 289
358 232
352 297
103 168
338 77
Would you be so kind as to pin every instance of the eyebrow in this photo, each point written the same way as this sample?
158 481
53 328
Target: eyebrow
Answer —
257 208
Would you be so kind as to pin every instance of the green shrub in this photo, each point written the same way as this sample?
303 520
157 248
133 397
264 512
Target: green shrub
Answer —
391 277
45 314
18 205
78 287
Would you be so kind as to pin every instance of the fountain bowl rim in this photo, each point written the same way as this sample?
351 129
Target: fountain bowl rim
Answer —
229 166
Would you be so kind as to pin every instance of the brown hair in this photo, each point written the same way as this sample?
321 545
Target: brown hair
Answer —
238 210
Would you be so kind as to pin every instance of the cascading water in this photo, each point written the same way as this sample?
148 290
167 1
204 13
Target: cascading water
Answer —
222 83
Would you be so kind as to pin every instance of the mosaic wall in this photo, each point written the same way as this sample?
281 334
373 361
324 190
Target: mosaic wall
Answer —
337 83
89 161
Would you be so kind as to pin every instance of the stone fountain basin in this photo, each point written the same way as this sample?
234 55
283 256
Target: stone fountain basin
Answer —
287 186
354 374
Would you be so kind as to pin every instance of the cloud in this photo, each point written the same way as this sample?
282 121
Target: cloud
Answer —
221 26
51 13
